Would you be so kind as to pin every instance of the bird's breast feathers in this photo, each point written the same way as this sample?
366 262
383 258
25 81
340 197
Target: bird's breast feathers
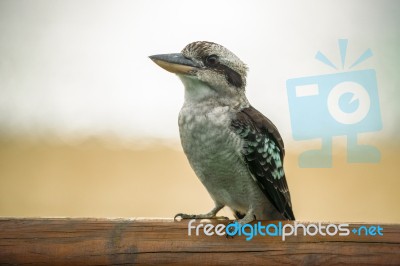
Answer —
211 146
214 152
206 133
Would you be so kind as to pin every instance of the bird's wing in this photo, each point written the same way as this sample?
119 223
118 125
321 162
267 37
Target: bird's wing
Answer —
263 151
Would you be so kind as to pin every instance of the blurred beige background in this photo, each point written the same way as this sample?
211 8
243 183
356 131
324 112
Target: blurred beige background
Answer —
107 178
88 124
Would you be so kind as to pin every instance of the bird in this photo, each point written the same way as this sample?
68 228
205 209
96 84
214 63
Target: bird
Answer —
236 152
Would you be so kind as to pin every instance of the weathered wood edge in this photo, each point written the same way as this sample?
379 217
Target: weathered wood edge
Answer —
117 241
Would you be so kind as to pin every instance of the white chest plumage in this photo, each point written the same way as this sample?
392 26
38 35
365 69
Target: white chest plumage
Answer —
207 138
214 152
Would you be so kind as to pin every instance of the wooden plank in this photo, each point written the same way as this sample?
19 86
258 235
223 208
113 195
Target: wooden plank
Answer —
67 241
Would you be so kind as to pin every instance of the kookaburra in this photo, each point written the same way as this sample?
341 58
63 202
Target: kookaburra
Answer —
236 152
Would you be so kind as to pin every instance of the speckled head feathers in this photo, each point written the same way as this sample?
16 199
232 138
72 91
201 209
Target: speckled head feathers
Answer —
219 59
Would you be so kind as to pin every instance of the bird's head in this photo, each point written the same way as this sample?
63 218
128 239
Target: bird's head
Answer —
207 70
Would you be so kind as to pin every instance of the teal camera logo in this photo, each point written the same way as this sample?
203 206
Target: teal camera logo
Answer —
339 104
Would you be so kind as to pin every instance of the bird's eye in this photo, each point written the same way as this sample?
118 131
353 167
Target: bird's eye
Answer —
212 60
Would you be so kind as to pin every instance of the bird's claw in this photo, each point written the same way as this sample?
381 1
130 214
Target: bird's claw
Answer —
184 216
199 216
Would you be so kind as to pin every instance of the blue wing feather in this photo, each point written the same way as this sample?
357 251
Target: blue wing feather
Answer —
263 151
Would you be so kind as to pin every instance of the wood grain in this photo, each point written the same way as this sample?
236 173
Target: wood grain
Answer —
72 241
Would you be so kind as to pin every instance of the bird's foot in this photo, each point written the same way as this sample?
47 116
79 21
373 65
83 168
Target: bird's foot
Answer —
181 216
247 219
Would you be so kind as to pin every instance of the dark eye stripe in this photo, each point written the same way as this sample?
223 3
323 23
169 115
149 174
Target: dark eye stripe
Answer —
233 77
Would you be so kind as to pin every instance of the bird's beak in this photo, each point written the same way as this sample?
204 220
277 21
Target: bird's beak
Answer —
175 63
